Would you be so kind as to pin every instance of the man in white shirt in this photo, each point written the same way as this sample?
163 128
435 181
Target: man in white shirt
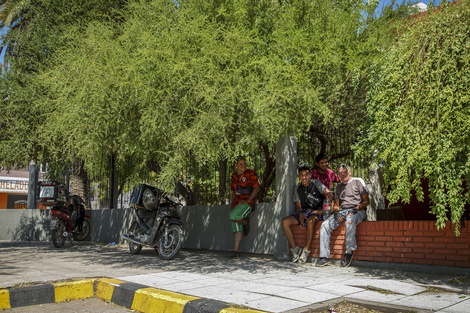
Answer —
349 204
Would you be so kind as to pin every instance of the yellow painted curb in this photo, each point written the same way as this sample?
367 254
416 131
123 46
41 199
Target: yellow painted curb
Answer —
105 288
80 289
4 299
151 300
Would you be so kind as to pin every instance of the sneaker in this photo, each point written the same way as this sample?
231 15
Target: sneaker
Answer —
233 255
246 228
322 262
347 259
296 254
303 256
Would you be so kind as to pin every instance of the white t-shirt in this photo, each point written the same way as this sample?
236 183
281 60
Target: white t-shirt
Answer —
350 194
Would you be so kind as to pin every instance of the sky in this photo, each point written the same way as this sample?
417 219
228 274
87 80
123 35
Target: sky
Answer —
382 3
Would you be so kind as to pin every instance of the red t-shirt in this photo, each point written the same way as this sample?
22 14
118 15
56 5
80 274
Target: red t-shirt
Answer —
327 178
247 179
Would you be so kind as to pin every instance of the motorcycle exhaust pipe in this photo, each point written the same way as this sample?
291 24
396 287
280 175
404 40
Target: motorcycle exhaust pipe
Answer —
68 235
131 240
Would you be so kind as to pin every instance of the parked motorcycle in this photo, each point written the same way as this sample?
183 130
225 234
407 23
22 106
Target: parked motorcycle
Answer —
68 213
157 223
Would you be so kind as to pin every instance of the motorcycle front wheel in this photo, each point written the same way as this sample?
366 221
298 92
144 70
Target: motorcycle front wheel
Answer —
137 230
85 231
57 234
170 245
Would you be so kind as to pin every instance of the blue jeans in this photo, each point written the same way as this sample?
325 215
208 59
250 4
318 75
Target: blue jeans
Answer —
331 223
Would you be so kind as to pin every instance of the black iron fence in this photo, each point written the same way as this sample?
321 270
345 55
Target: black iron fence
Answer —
209 183
337 145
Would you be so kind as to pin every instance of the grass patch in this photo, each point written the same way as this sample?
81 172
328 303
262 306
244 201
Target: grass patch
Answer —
239 306
382 291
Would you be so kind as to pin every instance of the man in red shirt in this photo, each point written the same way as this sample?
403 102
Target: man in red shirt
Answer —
243 189
323 173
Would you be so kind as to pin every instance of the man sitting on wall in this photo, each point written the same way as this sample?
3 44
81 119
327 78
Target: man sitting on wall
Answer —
350 201
308 197
322 172
243 190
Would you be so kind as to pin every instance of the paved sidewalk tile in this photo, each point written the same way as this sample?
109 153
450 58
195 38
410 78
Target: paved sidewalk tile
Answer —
260 288
306 295
336 289
460 307
273 304
431 300
224 294
390 285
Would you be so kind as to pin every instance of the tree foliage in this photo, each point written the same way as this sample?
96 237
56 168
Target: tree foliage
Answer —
156 81
420 108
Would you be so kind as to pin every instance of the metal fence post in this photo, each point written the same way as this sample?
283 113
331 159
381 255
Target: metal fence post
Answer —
32 186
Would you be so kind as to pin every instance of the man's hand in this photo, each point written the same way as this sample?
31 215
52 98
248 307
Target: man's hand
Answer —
338 216
302 219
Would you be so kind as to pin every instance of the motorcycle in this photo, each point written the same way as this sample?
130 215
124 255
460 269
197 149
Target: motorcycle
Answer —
157 222
68 213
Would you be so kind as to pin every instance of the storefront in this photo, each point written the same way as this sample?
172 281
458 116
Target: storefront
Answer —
14 192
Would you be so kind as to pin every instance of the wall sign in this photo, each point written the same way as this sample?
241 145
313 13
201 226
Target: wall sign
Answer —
13 185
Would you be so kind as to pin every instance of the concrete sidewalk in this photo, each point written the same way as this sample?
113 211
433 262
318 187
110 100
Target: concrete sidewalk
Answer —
252 282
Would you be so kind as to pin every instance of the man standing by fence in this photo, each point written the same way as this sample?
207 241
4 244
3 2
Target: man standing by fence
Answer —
243 189
350 202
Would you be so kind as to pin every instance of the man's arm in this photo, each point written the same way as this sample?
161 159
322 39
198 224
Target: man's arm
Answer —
335 206
364 202
253 194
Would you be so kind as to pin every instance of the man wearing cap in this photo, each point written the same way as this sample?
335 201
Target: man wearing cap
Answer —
244 187
350 202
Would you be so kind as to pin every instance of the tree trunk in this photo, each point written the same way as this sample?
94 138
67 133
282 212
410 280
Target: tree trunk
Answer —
222 181
80 183
269 173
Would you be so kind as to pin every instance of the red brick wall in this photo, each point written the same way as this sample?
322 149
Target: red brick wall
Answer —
414 242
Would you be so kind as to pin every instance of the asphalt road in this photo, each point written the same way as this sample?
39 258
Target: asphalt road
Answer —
92 305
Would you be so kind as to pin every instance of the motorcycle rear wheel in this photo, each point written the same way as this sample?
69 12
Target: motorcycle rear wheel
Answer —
57 235
85 231
169 248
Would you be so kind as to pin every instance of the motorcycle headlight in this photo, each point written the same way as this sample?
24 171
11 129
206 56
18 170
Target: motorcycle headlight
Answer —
149 200
46 192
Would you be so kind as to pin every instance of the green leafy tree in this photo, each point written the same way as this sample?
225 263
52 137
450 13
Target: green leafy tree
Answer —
419 110
157 82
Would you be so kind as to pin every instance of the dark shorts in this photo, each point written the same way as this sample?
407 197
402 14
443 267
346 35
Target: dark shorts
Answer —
307 215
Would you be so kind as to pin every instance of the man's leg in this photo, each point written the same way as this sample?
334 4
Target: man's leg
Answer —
351 223
287 222
237 216
325 233
311 222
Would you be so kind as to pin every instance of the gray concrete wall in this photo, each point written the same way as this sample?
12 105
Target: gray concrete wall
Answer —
205 227
34 225
208 227
24 225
